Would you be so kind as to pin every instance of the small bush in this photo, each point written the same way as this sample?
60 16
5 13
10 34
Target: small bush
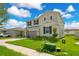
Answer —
76 38
49 47
37 38
50 39
69 35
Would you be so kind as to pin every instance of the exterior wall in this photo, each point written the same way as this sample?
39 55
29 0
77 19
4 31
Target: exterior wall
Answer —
1 31
45 23
25 32
60 24
34 28
55 22
15 33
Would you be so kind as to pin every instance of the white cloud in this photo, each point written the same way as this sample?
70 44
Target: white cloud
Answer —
13 23
72 25
31 5
67 16
18 12
63 14
70 8
58 10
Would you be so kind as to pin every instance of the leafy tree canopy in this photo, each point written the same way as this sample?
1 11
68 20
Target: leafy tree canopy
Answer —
3 14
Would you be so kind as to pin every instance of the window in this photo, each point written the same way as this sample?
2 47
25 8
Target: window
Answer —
29 23
44 18
36 22
50 29
50 17
47 30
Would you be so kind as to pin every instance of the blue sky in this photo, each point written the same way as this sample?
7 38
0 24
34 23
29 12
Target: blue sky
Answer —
19 13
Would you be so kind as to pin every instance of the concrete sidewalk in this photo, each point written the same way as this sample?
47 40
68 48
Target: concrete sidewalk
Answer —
23 50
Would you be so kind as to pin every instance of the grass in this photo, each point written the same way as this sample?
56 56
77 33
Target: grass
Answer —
68 49
37 45
8 52
3 38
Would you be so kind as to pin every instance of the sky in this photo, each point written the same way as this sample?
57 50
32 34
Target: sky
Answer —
19 13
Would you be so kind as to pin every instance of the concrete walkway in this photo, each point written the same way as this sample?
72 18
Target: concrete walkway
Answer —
23 50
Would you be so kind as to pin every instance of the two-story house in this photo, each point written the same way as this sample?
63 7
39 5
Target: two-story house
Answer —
44 25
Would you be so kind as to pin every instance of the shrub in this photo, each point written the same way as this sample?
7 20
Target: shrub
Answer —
69 35
55 32
76 38
37 38
52 39
49 47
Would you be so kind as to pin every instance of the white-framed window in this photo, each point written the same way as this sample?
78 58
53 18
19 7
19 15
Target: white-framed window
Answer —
47 30
44 18
36 22
29 23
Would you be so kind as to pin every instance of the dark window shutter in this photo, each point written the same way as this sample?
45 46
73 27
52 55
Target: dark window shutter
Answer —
50 29
51 17
43 30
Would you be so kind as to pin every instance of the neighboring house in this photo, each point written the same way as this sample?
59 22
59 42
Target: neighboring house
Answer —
44 25
2 30
15 32
71 31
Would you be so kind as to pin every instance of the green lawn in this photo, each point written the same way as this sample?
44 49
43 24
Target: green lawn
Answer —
2 38
37 45
69 49
8 52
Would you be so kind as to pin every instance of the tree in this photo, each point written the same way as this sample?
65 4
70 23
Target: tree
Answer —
55 32
3 14
54 35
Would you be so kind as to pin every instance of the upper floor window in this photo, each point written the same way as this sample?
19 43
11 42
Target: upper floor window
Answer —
50 17
29 23
36 22
44 18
